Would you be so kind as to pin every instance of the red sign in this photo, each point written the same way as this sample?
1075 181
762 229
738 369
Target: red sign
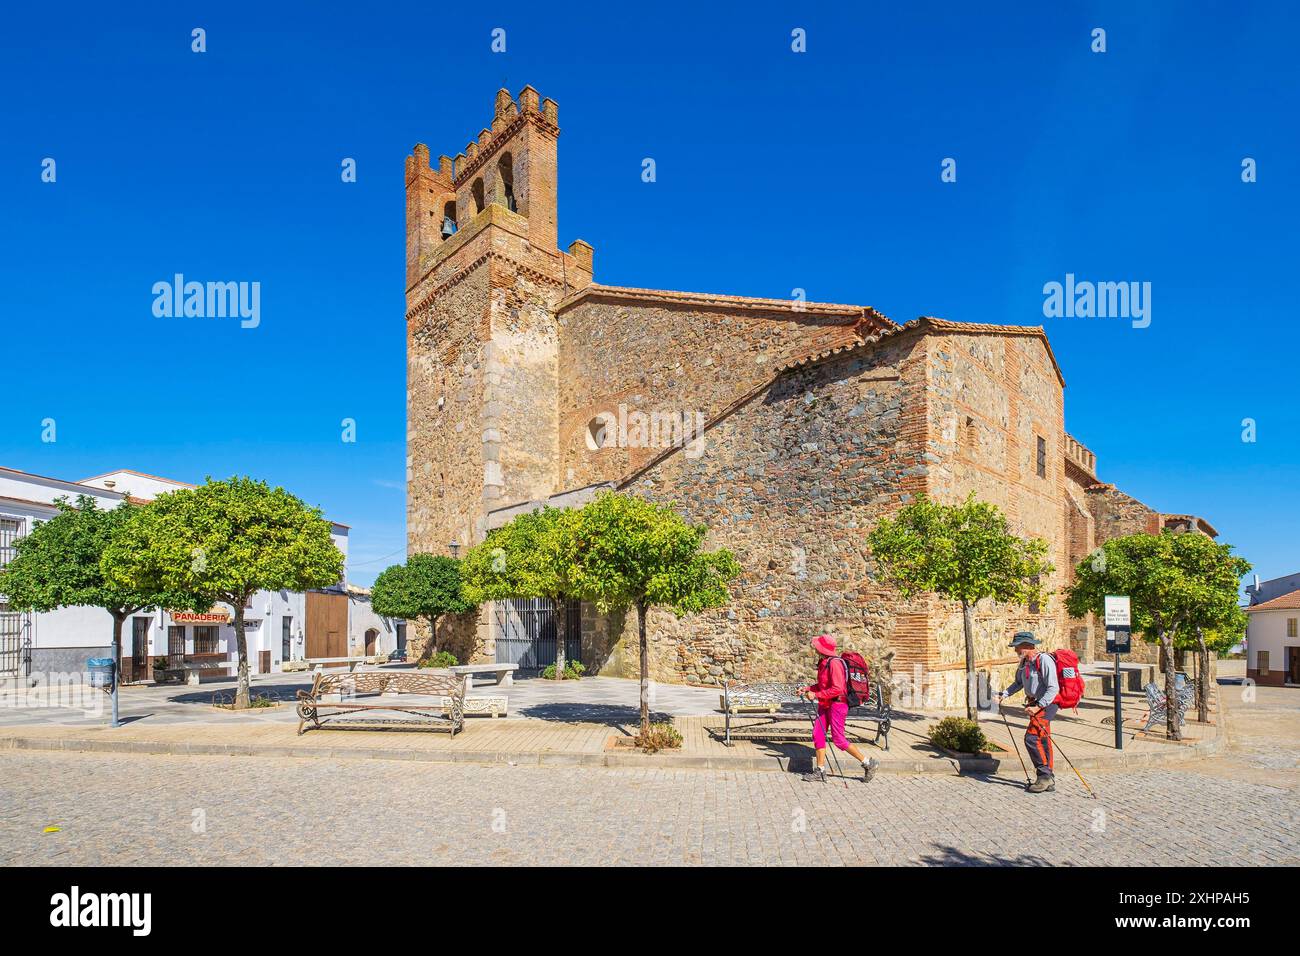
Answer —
220 616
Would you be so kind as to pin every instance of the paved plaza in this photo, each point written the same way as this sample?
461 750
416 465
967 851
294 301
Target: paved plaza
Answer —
1234 807
128 809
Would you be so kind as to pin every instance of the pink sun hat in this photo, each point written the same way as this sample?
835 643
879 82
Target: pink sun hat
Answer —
824 644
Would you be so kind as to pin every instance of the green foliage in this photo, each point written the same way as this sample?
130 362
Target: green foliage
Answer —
59 564
634 552
225 540
573 670
959 734
961 552
1176 583
441 659
427 586
534 555
656 737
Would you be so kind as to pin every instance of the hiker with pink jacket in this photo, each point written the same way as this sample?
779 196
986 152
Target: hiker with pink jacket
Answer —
830 693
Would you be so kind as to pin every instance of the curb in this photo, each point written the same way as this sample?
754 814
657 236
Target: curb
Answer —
539 758
551 758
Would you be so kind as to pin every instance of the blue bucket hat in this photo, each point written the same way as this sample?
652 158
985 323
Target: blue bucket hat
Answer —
1024 637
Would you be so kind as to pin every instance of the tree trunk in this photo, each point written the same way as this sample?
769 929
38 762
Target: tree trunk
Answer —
1171 692
431 649
1202 678
559 612
645 667
968 626
242 697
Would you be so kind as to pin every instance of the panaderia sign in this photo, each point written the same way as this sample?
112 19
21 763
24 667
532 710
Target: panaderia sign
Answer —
215 616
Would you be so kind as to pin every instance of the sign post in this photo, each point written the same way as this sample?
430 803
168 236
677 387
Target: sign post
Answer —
1118 641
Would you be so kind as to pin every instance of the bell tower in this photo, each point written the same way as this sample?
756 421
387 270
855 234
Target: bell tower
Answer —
483 279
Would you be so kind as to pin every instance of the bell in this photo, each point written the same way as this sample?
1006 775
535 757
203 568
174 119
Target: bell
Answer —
448 227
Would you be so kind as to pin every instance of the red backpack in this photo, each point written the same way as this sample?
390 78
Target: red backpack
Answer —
857 686
1068 678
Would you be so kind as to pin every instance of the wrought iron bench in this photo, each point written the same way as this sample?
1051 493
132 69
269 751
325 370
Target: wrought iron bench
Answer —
788 717
441 707
1157 704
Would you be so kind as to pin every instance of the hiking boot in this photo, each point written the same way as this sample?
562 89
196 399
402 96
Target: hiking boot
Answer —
869 769
815 775
1045 783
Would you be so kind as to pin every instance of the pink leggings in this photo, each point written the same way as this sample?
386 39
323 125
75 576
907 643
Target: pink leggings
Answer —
835 714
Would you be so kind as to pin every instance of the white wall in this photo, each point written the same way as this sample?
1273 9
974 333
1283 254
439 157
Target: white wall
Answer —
361 618
1266 631
31 498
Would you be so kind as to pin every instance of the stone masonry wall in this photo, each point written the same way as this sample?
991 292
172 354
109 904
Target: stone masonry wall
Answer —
666 358
791 482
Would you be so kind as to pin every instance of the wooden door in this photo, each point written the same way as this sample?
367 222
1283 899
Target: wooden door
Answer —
327 625
264 662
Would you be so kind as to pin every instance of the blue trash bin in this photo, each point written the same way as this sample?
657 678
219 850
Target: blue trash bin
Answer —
101 671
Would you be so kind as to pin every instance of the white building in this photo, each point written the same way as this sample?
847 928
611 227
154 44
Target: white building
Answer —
1273 641
278 625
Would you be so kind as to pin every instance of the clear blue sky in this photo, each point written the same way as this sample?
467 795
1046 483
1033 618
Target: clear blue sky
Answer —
776 171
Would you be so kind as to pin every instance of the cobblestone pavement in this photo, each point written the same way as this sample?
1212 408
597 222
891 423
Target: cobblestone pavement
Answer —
127 809
140 809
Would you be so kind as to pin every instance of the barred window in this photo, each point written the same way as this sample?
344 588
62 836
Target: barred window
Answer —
1042 457
11 529
205 639
176 641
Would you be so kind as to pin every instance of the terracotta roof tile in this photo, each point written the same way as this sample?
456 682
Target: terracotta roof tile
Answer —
1286 602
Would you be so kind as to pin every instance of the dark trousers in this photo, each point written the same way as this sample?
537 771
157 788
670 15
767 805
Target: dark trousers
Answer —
1038 739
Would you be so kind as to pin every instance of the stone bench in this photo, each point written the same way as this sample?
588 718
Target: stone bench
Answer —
503 674
351 663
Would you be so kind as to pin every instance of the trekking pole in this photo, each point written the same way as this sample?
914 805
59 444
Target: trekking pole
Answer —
1075 769
1014 745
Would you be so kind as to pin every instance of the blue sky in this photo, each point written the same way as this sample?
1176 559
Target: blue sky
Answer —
775 170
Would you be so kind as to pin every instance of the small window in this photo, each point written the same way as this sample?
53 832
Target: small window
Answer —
1290 627
1033 605
1042 457
506 171
597 433
477 190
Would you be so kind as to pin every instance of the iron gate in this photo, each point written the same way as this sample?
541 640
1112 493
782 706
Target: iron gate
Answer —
13 660
525 633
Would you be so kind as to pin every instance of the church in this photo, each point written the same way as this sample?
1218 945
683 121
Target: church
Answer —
787 427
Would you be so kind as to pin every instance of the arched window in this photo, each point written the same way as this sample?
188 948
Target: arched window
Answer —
599 431
506 171
449 220
477 190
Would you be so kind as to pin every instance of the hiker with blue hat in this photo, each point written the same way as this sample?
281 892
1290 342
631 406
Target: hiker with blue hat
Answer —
1036 675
